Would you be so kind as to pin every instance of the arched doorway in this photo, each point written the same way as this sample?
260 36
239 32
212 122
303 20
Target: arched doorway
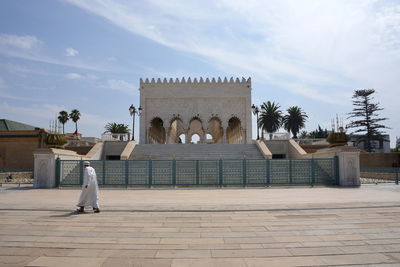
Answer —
182 139
175 131
215 130
209 139
234 131
196 127
195 139
157 131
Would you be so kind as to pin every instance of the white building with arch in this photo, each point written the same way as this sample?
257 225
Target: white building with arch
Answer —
176 110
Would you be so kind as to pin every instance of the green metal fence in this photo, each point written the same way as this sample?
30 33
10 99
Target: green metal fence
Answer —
202 172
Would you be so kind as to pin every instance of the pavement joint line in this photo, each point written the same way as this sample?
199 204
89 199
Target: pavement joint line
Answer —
209 210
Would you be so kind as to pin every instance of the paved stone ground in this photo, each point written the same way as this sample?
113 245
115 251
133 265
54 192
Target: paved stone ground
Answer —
203 227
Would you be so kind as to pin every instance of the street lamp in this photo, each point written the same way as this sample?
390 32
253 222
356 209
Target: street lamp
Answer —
255 112
133 111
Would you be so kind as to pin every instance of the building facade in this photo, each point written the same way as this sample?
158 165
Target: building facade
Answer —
214 110
17 143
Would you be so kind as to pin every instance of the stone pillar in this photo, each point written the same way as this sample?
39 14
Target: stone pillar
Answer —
224 126
45 165
166 135
187 141
44 170
349 163
349 168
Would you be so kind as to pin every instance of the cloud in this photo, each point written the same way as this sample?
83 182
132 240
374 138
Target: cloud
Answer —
45 111
92 77
41 115
73 76
311 44
30 48
70 52
25 42
120 85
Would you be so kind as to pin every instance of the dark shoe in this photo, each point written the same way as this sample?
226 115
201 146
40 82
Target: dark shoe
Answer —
81 209
96 210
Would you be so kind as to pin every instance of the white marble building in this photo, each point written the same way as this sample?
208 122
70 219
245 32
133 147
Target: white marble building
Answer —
216 110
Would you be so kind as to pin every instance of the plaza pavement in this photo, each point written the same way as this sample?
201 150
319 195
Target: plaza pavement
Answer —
296 226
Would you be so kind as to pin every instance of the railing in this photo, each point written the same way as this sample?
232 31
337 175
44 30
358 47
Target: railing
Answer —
115 137
202 172
379 175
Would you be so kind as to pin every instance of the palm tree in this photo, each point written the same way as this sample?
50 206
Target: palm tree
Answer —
270 119
294 120
75 115
113 127
63 118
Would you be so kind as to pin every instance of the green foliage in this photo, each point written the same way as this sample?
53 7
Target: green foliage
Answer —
294 120
303 135
55 140
366 120
318 133
270 119
75 115
113 127
63 118
337 139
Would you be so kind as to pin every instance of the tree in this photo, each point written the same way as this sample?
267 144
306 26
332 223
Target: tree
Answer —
270 118
113 127
318 133
366 120
75 115
303 135
63 118
294 120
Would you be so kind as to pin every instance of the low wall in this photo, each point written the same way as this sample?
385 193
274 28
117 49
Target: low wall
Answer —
379 160
126 153
263 149
17 177
295 150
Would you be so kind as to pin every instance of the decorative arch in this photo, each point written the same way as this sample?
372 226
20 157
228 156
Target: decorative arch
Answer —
215 129
234 132
157 131
196 127
176 128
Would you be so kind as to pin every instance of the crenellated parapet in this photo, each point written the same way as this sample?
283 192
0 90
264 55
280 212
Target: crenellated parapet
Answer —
200 80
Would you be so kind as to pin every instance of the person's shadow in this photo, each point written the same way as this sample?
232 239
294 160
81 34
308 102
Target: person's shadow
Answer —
69 214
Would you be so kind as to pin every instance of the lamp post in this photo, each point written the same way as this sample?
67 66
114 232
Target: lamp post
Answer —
255 112
133 111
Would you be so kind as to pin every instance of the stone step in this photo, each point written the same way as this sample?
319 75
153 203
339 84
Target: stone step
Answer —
196 151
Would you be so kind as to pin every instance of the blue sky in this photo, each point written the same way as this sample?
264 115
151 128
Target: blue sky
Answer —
90 54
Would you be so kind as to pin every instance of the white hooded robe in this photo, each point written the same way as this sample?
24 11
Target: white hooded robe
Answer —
90 195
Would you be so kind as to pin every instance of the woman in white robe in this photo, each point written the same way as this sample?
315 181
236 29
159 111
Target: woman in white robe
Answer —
90 190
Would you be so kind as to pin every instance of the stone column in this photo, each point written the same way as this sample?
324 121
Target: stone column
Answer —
349 168
45 165
166 135
187 141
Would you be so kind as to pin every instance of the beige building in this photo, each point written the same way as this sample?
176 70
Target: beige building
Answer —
17 143
216 110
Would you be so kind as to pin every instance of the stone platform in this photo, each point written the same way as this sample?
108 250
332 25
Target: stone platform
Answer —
299 226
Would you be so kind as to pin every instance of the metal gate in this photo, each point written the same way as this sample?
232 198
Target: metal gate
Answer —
264 172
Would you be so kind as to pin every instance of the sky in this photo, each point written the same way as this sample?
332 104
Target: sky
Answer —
90 54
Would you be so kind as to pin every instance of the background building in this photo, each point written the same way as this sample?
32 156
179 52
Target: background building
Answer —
17 143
